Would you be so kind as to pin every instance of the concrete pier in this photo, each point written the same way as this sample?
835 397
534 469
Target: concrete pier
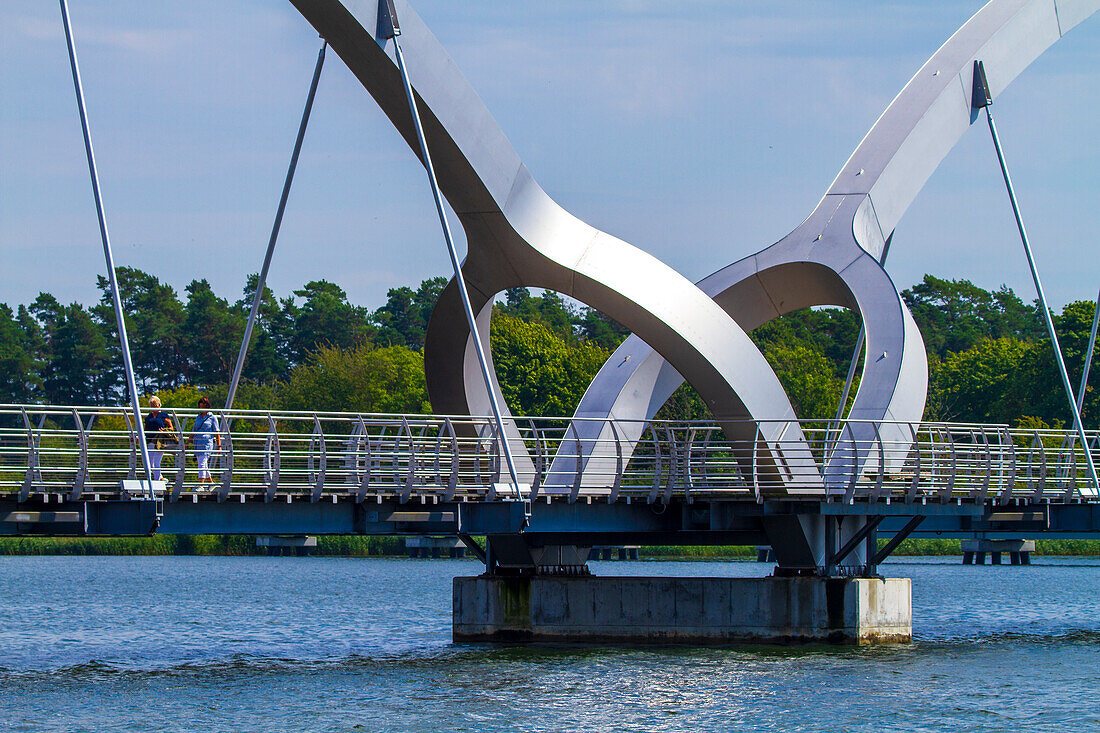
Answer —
1018 551
299 545
683 610
435 547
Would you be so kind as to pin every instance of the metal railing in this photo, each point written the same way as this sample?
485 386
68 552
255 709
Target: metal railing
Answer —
88 452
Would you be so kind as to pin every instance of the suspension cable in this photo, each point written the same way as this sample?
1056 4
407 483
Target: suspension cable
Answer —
391 30
131 383
257 299
981 97
1088 357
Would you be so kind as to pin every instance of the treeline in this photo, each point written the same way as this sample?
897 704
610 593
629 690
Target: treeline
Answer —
989 357
310 350
360 546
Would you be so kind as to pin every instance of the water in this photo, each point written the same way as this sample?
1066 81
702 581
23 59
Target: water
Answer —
320 644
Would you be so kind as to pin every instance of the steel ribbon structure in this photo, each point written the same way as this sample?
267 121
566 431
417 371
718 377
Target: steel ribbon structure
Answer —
518 236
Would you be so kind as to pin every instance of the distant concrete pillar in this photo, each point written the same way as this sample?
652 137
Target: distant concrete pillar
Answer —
299 545
434 547
1019 551
687 610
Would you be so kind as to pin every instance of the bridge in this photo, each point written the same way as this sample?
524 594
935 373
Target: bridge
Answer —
543 490
74 470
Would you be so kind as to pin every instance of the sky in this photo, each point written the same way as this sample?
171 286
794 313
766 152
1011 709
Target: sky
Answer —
699 131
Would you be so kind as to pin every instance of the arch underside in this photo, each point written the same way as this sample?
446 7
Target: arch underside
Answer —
518 236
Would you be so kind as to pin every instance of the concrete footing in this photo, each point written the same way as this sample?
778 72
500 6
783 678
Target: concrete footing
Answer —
299 545
614 552
435 547
1018 551
683 610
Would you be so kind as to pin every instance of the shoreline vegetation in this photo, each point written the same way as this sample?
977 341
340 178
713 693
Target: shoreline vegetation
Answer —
356 546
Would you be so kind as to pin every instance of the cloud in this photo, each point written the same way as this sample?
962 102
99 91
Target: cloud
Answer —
151 41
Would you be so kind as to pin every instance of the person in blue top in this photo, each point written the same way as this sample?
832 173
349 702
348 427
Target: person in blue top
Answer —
156 422
205 436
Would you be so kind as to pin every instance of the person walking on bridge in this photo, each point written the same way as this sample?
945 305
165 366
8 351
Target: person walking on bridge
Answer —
205 435
157 421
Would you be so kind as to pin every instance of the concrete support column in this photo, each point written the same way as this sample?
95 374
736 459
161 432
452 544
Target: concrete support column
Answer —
1019 551
688 610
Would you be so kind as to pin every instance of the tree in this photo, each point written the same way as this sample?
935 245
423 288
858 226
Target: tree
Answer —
270 348
326 319
213 334
982 383
154 323
78 363
403 320
362 379
953 315
809 380
548 309
540 372
598 329
19 380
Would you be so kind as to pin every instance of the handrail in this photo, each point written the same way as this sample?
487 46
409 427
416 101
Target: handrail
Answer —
46 449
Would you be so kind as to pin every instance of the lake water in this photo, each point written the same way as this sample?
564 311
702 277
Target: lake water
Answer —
326 644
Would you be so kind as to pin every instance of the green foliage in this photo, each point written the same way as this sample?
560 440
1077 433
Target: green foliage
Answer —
808 378
213 334
954 315
361 379
567 322
989 357
403 320
981 384
170 544
542 373
327 319
154 320
19 379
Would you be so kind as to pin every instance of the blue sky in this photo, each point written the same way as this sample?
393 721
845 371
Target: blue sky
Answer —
699 131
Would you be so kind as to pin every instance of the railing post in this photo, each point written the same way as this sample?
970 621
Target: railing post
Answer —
82 459
576 490
1010 486
317 477
1041 486
949 489
227 463
914 487
540 459
876 493
674 462
132 436
657 464
181 459
981 494
850 492
410 466
272 460
757 436
617 482
452 479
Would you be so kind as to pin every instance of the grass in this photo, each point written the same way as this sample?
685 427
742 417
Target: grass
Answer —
213 544
360 546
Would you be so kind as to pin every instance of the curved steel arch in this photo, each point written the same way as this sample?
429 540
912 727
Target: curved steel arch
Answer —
832 258
517 235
